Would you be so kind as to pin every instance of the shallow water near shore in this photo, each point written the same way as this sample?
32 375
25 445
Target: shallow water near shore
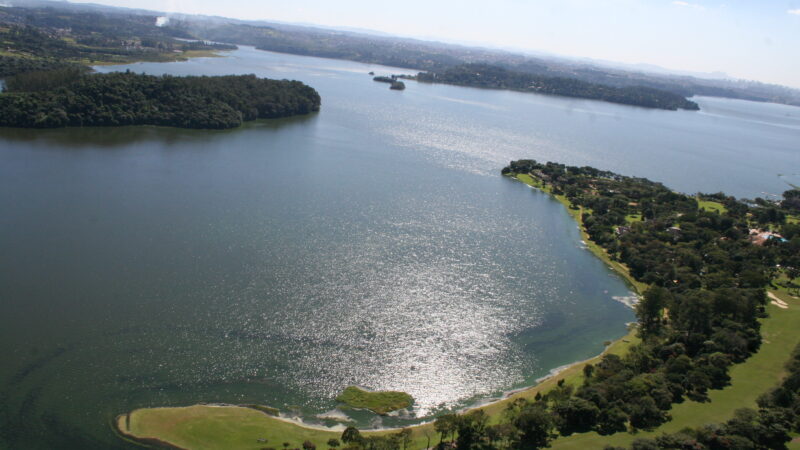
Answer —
371 244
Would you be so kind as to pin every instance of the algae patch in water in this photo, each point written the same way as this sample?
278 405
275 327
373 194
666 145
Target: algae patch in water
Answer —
379 402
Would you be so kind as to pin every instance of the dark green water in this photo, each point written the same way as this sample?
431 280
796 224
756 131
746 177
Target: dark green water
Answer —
374 244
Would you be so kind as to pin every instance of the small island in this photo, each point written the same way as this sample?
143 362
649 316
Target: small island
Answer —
393 81
379 402
73 98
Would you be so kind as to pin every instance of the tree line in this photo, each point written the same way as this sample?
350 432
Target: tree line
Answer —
496 77
70 98
768 427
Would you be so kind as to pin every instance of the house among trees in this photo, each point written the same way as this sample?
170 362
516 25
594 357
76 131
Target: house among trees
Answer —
760 237
622 230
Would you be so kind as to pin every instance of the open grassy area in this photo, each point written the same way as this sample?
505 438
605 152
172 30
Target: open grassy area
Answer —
709 205
631 218
379 402
792 219
750 379
216 427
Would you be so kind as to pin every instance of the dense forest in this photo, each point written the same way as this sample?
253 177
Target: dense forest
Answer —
13 65
71 98
706 272
495 77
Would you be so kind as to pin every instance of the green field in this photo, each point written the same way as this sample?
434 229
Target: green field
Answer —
709 205
631 218
380 402
215 427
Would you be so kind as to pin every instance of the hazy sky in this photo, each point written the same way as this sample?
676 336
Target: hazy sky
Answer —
752 39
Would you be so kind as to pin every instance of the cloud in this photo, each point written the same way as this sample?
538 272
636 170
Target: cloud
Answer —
796 12
687 4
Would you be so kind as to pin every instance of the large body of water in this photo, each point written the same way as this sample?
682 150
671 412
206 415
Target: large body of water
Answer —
373 243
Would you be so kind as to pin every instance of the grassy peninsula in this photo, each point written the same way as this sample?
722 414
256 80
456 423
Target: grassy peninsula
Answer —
716 330
70 97
379 402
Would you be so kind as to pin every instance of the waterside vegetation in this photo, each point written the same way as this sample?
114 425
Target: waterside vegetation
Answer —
708 342
379 402
496 77
69 97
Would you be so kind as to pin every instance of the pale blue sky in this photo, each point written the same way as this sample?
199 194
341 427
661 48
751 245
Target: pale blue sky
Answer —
748 39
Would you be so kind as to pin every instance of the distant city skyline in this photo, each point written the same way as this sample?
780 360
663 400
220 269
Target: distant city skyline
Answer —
741 38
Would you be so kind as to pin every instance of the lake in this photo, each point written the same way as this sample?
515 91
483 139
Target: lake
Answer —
374 244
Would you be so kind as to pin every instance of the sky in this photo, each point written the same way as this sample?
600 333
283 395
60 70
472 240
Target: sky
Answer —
749 39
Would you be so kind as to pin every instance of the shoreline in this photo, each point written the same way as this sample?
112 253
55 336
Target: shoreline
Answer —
166 58
543 383
570 371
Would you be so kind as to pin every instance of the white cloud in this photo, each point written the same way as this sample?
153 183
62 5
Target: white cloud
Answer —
796 12
687 4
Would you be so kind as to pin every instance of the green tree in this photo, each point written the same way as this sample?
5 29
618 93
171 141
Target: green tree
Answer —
576 415
649 310
535 427
351 435
445 425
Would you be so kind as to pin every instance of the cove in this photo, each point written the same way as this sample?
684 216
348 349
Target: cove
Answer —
372 244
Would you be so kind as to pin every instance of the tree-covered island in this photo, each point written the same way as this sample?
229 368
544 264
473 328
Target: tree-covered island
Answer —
496 77
70 97
718 311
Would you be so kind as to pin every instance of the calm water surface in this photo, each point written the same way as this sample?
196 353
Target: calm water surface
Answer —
373 243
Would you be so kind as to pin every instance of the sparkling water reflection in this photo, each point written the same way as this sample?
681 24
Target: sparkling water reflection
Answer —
372 244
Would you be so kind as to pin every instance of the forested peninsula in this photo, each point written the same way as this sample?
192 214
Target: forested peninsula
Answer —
69 97
712 271
496 77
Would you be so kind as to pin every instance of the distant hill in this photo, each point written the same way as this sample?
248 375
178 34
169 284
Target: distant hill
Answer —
433 56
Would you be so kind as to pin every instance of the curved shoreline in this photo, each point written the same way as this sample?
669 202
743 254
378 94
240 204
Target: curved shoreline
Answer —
546 382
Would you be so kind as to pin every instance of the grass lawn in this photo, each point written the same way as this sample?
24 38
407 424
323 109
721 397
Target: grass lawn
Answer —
750 379
631 218
380 402
215 427
792 219
708 205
